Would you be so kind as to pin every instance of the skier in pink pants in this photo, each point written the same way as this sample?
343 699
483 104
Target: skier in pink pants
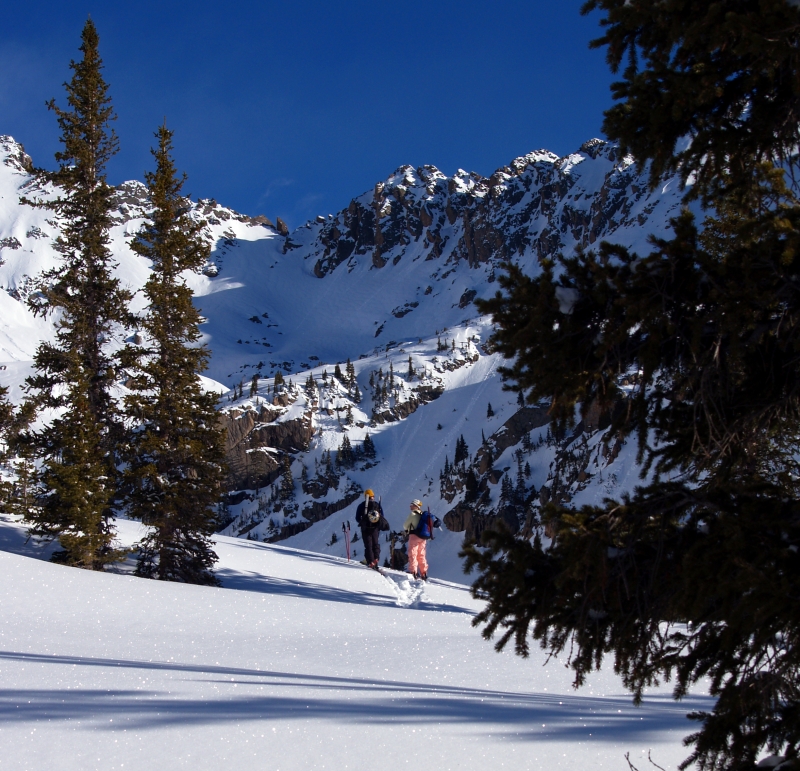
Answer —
419 527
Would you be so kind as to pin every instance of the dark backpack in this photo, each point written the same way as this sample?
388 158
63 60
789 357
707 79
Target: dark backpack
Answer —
425 526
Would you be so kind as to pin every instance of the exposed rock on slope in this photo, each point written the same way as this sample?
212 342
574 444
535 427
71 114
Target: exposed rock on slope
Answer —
539 205
255 441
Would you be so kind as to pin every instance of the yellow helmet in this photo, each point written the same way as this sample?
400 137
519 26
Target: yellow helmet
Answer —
368 493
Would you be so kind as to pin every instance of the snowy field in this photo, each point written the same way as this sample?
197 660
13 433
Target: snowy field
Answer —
300 661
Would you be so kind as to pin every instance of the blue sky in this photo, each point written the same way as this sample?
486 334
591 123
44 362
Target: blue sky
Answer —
293 108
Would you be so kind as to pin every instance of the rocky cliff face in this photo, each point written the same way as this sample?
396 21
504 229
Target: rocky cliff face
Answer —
474 513
255 441
536 206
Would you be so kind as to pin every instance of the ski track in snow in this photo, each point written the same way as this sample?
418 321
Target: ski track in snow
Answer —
409 593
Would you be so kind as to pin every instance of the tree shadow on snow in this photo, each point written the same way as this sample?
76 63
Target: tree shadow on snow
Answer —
258 582
364 701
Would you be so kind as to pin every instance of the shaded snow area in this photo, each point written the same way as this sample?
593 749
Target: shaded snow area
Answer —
300 661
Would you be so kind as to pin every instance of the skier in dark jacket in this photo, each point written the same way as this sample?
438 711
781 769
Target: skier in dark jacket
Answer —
369 516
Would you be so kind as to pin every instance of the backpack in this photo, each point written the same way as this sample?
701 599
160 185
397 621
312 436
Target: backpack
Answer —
373 512
425 526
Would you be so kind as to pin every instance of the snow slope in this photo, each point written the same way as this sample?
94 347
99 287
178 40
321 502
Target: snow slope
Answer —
379 281
300 661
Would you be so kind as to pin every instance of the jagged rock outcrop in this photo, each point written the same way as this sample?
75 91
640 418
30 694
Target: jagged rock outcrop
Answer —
539 204
465 518
315 511
510 434
16 157
255 442
472 515
421 395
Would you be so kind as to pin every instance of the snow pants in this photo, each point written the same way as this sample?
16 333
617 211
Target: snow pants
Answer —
416 555
372 544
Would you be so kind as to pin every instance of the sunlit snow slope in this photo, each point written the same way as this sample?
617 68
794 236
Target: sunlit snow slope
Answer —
302 661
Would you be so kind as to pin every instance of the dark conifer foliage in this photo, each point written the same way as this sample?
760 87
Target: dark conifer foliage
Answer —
345 456
287 480
369 447
12 422
461 452
78 478
176 457
696 574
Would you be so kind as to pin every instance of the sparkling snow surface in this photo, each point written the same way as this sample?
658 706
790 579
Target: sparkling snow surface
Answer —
301 661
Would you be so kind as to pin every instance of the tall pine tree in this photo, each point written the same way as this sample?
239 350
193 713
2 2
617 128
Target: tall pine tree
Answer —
175 469
695 575
79 449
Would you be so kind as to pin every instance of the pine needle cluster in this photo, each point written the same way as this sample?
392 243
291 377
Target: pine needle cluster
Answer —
696 573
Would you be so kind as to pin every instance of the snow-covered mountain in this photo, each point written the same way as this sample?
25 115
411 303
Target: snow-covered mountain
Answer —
388 283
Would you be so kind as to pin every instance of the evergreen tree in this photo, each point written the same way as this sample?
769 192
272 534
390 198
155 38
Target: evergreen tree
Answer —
175 467
277 382
462 451
330 473
506 489
519 490
369 447
695 574
350 375
489 410
337 373
287 480
78 477
13 421
345 456
411 372
471 486
253 386
391 376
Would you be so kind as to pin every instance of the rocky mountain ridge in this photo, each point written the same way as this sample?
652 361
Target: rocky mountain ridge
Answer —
536 206
386 283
